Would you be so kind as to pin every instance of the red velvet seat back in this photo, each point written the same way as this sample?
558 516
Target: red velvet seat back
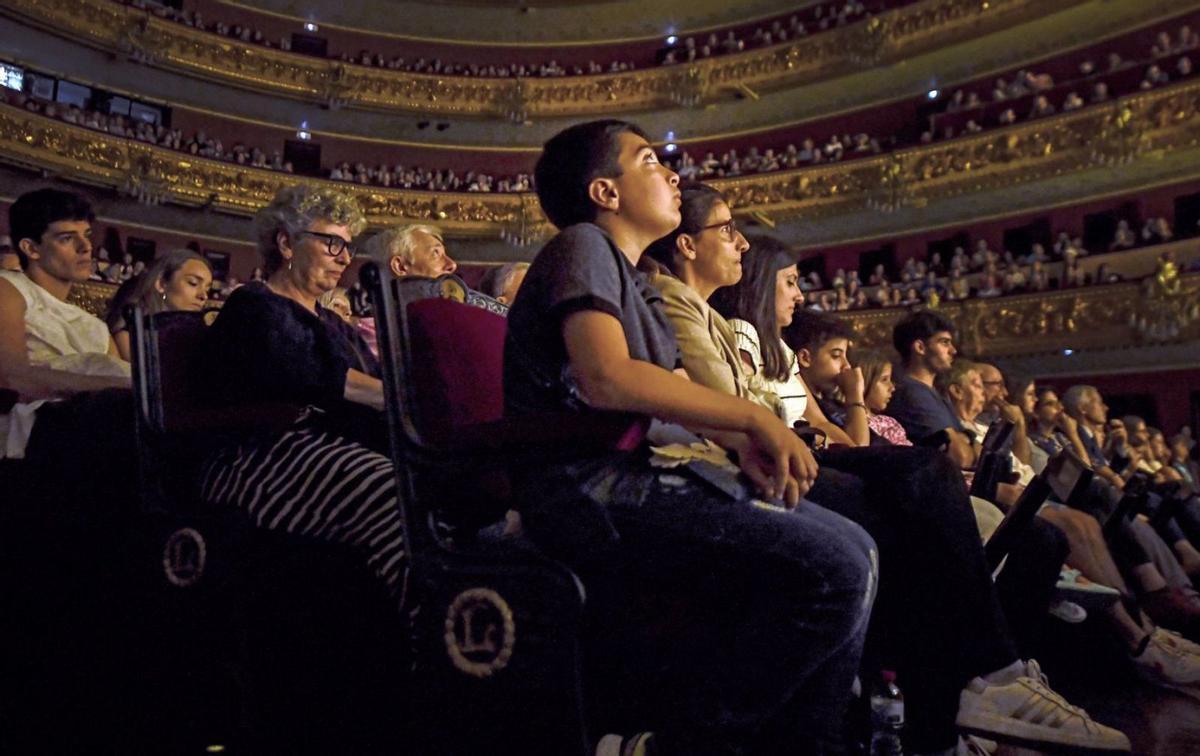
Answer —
458 374
457 366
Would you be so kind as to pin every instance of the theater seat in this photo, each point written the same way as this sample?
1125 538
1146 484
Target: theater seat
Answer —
452 448
169 625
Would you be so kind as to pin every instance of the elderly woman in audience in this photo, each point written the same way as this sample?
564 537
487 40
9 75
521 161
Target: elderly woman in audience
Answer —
179 280
911 500
274 343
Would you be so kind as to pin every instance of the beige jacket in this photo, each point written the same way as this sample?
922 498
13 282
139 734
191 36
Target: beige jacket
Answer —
710 354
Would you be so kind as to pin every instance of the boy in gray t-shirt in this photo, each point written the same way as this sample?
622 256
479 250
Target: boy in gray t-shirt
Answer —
586 336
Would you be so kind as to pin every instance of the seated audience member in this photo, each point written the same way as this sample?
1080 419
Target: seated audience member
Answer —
587 337
1027 583
1160 657
60 360
502 282
925 342
912 501
1148 451
419 250
1124 237
412 250
878 388
289 349
9 259
337 301
1181 461
179 280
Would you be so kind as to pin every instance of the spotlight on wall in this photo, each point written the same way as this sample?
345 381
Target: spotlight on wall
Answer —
1068 352
670 147
309 26
672 39
933 94
303 135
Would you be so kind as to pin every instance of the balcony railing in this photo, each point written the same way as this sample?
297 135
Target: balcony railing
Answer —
892 35
1096 317
1151 127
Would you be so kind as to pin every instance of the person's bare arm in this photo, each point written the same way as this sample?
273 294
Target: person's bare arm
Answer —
853 386
31 381
1012 413
609 379
962 450
120 346
364 389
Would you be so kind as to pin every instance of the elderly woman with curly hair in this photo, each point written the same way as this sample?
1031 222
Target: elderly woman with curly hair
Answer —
273 342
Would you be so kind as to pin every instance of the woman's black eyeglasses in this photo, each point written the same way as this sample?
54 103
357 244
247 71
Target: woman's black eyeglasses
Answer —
728 228
334 245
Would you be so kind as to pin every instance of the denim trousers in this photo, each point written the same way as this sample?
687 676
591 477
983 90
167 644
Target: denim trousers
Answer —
785 598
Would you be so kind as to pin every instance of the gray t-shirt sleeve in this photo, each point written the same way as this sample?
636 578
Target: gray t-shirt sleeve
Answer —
585 275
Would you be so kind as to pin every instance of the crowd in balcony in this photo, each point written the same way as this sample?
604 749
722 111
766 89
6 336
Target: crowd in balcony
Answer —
203 145
812 19
1027 95
980 272
1031 94
446 180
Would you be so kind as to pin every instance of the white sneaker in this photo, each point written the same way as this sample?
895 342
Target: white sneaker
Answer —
1027 712
1068 611
1171 661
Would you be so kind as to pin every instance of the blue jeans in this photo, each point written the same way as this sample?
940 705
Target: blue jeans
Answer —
790 591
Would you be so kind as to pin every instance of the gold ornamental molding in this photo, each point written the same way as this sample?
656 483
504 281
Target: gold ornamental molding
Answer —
1097 317
892 35
1146 126
153 174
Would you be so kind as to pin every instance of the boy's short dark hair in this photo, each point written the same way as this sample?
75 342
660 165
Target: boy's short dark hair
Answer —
33 212
571 160
918 326
812 330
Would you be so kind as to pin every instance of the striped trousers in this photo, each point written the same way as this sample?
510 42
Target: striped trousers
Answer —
317 484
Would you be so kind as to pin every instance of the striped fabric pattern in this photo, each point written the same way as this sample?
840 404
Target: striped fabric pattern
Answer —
314 483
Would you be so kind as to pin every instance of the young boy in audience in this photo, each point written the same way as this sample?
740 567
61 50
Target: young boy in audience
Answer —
55 356
585 337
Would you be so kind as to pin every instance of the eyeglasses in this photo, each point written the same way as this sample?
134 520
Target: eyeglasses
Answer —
728 228
334 245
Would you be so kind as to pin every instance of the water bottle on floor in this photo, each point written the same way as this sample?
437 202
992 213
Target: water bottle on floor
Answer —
887 716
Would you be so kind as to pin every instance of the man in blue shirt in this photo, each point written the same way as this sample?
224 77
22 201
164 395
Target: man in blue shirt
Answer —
925 341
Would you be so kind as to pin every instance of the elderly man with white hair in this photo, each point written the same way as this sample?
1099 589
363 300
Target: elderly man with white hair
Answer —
412 250
419 250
